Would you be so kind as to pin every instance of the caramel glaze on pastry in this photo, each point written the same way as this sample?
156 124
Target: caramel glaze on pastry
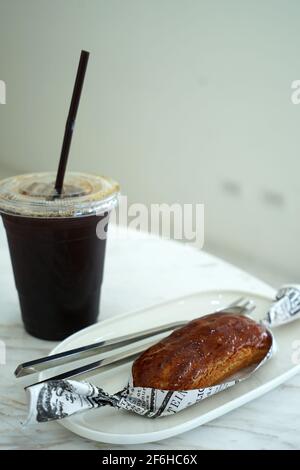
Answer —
202 353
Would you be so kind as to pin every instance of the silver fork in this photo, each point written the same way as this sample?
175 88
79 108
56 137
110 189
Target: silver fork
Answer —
238 307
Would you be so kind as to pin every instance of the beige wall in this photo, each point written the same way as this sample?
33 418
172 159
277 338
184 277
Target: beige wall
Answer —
185 100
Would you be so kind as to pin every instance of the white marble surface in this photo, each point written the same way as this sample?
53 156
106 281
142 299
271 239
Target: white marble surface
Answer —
142 272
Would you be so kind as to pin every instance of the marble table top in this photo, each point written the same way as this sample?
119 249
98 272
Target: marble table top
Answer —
142 271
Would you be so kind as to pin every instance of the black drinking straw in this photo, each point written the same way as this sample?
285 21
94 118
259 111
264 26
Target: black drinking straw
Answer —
84 57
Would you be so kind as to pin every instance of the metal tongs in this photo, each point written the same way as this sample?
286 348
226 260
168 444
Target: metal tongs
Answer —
238 307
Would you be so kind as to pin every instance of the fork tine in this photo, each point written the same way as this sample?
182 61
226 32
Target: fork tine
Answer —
237 301
99 366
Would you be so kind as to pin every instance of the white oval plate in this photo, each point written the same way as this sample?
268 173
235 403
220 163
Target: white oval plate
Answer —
120 427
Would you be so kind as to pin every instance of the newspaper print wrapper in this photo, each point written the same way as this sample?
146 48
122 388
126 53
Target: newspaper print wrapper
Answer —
62 398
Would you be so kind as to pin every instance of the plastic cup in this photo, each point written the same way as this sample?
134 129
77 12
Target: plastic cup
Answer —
56 255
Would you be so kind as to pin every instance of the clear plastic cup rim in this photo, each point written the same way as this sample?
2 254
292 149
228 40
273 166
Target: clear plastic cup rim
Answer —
33 195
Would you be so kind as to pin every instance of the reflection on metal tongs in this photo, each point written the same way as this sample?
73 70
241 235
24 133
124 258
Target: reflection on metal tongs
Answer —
239 307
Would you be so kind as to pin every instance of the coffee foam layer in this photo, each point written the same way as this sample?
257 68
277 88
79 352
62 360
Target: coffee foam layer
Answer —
33 195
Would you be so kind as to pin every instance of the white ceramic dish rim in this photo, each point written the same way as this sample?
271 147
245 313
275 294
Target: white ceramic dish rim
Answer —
141 438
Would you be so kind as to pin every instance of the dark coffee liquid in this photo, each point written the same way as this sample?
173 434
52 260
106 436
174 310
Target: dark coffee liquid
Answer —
58 268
